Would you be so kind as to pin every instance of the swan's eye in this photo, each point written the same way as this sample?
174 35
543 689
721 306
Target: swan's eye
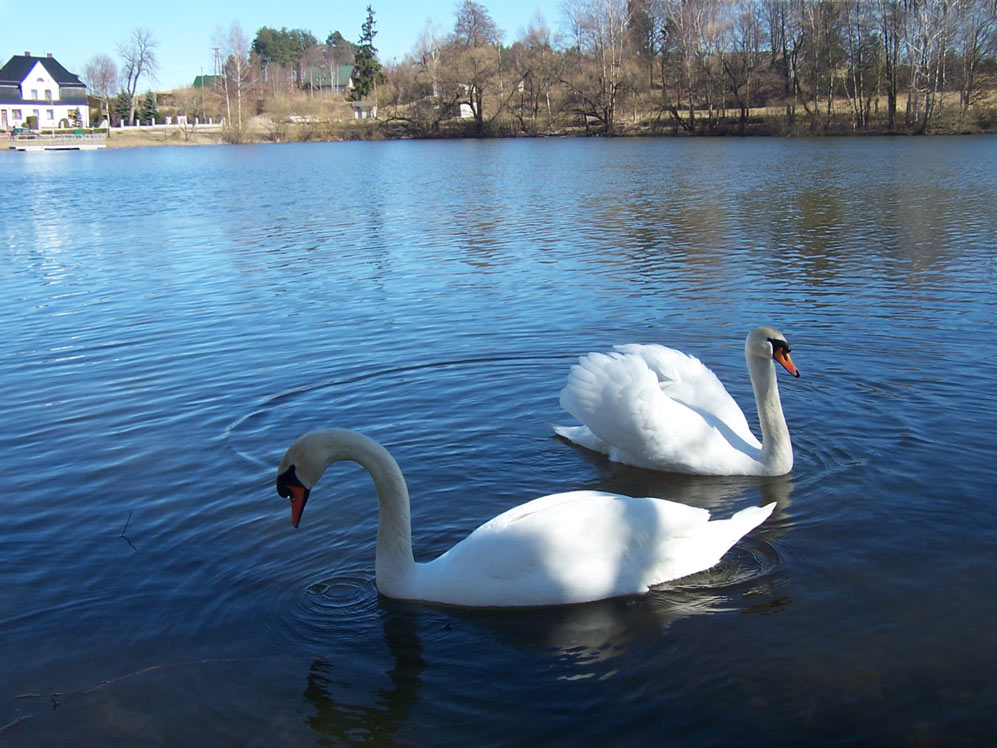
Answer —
778 345
286 481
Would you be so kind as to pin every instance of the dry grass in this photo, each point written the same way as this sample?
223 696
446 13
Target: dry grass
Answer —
326 120
162 135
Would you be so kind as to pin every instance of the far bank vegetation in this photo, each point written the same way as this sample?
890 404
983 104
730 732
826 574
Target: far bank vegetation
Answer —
613 67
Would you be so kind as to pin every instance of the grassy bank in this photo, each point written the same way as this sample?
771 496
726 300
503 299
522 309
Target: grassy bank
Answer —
399 123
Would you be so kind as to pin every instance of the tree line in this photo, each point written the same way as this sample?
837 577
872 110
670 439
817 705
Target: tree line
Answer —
621 66
703 66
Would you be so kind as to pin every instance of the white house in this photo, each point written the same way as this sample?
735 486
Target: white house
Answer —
40 86
364 110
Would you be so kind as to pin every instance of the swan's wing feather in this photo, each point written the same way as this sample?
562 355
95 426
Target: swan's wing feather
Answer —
688 380
572 547
620 399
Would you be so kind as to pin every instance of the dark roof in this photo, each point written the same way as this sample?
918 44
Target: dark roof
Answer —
324 76
207 81
18 67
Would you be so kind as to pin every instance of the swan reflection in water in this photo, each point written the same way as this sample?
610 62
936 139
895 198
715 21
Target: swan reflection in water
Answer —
348 713
350 704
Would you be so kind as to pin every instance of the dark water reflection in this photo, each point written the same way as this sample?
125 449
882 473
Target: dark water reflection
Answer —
164 344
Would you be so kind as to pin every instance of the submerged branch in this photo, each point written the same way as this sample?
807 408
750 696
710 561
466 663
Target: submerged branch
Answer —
122 535
15 723
67 697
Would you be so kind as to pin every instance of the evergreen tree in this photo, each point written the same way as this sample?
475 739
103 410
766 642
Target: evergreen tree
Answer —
122 107
366 69
339 49
149 111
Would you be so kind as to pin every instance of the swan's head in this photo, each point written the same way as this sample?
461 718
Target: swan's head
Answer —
310 455
298 472
290 487
769 343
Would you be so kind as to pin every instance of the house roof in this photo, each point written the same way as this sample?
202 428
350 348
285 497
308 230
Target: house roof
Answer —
18 67
207 81
326 75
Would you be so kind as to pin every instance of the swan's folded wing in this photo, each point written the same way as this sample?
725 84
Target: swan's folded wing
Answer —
571 547
619 398
686 379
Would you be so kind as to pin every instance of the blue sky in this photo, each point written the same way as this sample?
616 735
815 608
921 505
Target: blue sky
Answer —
76 31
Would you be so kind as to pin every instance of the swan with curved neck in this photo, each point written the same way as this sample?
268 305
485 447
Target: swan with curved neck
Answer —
564 548
656 407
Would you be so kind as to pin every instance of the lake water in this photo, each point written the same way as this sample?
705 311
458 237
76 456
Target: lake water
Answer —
171 318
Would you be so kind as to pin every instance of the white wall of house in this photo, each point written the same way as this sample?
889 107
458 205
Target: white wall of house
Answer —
49 115
40 86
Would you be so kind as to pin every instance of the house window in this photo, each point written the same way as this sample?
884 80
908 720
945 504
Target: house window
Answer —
48 94
16 114
50 114
34 94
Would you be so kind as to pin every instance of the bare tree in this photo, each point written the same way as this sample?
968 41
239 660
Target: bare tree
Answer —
427 58
740 55
189 106
428 61
538 68
138 56
598 30
101 76
976 38
237 77
861 53
688 28
473 57
890 17
781 53
926 42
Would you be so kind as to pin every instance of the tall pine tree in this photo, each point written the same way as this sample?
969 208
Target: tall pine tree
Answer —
366 69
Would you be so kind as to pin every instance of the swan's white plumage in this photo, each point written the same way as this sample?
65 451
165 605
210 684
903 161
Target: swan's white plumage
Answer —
564 548
656 407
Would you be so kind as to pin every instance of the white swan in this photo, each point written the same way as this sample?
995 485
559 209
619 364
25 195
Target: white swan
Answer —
655 407
564 548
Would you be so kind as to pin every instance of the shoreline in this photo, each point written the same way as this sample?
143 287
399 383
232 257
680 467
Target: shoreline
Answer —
398 129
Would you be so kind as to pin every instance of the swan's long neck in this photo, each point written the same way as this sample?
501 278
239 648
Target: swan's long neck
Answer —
394 561
777 449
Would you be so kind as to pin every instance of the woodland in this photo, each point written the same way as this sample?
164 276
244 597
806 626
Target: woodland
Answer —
618 67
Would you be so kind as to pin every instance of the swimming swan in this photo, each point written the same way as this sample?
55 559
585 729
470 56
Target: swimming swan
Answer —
564 548
658 408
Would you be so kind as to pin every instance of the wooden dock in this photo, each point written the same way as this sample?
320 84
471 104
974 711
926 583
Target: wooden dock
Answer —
82 142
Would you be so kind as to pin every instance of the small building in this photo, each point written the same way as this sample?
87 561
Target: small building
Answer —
329 78
41 88
364 110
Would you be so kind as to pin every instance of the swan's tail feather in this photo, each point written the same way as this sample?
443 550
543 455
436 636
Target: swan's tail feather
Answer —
581 436
748 519
701 549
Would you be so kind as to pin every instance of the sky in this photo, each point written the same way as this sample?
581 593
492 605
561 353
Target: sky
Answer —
184 29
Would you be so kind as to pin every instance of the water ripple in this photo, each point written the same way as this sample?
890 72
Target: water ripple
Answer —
162 347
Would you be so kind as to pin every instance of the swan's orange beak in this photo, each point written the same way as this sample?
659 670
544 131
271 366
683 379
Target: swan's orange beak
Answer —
299 496
291 488
782 356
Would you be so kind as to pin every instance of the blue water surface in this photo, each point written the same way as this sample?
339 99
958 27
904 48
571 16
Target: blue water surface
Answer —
171 318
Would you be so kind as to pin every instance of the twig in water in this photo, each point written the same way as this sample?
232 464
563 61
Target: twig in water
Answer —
67 697
127 522
16 722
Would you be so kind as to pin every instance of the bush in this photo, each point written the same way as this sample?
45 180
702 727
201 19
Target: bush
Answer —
985 117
